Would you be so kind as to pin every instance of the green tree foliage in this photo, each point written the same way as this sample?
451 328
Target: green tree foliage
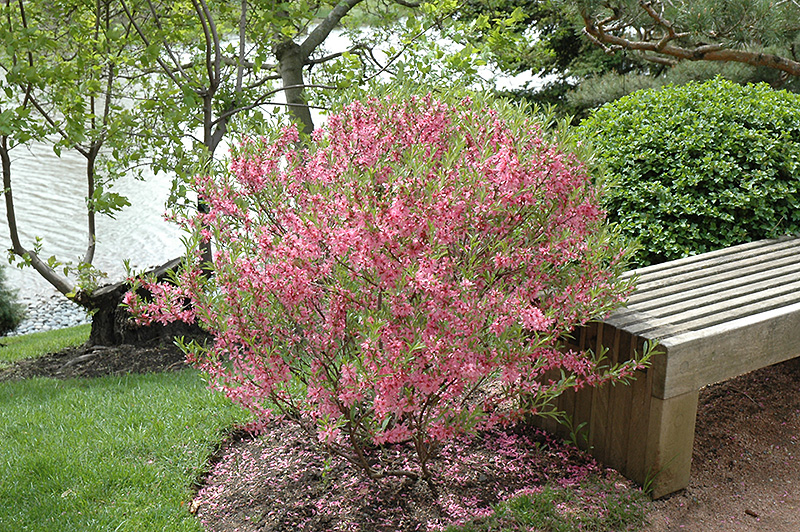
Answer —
642 44
63 78
213 68
701 166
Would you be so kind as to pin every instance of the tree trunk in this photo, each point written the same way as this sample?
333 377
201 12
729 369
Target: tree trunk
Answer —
113 325
291 62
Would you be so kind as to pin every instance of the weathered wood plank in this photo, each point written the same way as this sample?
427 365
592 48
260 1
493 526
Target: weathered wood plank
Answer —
640 423
701 314
679 276
598 418
584 397
620 398
716 315
669 443
743 280
727 350
704 260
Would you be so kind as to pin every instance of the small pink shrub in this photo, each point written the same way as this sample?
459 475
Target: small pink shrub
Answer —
404 279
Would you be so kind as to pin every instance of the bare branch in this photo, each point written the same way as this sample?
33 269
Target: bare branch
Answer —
164 42
260 82
263 100
212 42
167 70
60 282
396 56
658 59
242 47
659 19
329 57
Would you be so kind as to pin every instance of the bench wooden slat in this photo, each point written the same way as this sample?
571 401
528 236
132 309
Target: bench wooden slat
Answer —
719 256
729 295
787 266
704 269
692 317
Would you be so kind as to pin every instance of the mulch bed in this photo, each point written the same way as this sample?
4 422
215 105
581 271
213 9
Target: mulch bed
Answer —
97 361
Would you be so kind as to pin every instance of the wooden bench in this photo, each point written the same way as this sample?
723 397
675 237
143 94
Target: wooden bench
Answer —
715 316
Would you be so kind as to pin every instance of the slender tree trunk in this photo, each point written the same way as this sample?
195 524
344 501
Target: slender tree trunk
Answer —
60 282
92 229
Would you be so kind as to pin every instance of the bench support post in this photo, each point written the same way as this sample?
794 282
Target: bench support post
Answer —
669 443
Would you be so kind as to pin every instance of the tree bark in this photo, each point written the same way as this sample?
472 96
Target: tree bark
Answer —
597 33
113 325
291 61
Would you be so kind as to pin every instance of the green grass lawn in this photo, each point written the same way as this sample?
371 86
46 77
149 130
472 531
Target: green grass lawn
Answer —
37 344
107 454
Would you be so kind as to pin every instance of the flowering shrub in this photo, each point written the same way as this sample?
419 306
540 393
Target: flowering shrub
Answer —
403 280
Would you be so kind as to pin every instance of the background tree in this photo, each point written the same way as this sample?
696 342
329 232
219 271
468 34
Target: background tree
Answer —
744 41
213 66
760 33
191 73
543 38
62 85
642 44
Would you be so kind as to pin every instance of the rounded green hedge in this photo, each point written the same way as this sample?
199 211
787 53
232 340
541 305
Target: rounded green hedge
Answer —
700 166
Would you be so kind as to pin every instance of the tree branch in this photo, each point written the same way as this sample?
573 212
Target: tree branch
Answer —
324 28
164 42
329 57
262 100
611 42
60 282
242 48
167 70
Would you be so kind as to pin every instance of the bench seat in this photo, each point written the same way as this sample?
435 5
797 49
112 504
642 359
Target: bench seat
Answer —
714 316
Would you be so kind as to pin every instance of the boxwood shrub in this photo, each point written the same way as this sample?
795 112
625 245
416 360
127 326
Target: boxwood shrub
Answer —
700 166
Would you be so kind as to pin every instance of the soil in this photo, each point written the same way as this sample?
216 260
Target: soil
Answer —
745 468
746 458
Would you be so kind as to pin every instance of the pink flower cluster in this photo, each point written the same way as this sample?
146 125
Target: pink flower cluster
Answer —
406 278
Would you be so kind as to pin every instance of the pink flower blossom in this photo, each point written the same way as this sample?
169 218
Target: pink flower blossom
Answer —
406 277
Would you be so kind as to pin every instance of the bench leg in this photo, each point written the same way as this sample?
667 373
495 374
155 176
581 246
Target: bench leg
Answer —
669 443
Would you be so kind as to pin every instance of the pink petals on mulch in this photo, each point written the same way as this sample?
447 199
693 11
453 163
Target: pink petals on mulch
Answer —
278 482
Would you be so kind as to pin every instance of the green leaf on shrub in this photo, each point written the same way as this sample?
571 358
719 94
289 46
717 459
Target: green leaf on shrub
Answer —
701 166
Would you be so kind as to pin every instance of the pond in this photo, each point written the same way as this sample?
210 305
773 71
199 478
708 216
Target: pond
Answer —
49 194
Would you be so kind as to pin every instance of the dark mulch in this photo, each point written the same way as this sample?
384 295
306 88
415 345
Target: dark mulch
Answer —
97 361
281 482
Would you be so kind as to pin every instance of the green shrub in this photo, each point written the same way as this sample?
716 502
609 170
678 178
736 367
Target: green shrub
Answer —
11 311
701 166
